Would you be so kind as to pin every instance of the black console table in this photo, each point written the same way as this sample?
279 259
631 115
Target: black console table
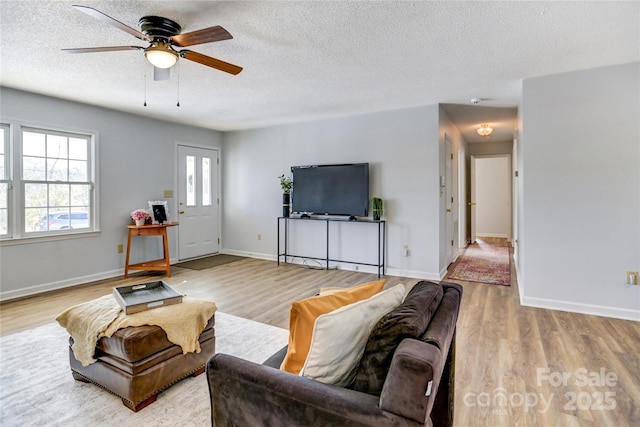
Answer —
381 226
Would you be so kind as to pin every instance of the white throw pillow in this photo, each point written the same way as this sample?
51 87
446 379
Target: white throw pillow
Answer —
339 337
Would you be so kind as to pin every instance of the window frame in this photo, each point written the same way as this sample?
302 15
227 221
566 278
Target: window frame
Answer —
17 222
6 142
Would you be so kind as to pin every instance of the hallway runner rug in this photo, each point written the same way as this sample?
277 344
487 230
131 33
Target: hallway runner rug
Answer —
485 263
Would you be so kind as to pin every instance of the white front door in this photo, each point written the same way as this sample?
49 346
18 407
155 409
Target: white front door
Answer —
198 202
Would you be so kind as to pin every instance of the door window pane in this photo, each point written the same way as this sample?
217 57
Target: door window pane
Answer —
206 181
191 181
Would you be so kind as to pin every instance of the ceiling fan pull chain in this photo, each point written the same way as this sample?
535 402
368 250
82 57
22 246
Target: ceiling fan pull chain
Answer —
178 78
145 90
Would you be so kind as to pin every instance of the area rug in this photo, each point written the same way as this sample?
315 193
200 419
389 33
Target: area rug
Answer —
485 263
37 389
209 262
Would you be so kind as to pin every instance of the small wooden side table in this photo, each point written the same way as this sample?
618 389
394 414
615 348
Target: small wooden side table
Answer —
150 230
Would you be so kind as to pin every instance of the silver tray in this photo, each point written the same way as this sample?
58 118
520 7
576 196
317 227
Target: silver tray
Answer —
145 296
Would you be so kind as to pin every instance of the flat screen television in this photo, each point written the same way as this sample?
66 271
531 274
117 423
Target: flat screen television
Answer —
331 189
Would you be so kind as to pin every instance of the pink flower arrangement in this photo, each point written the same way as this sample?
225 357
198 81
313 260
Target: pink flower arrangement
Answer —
140 214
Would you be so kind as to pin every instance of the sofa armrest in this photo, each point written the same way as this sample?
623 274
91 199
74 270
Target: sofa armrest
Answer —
245 393
415 371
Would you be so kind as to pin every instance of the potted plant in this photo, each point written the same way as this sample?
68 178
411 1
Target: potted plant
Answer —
140 216
285 183
376 207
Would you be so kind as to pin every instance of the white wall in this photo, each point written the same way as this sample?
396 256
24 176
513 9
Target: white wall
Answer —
490 148
136 161
580 207
493 196
403 152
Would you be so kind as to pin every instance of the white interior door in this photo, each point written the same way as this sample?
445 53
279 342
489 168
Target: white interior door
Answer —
472 202
198 202
449 198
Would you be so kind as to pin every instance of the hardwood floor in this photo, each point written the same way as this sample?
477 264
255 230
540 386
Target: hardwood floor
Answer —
510 359
253 289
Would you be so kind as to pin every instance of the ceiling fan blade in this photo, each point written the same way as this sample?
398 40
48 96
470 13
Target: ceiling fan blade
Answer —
161 73
210 62
206 35
109 20
101 49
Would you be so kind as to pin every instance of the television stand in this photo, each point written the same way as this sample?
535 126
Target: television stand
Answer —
381 226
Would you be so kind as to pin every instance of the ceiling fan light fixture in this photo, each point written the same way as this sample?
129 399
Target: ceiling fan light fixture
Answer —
485 130
161 56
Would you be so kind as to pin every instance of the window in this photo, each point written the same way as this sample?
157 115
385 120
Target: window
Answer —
4 180
53 181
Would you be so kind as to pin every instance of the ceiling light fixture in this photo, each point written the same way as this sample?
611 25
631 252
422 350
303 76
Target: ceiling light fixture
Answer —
161 55
485 130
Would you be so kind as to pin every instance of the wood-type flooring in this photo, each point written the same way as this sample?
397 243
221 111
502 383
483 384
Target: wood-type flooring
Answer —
515 365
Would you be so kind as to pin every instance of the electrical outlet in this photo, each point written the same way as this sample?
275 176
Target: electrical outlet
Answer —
119 248
259 236
632 278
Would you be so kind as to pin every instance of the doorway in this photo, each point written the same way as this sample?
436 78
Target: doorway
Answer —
451 223
198 202
491 197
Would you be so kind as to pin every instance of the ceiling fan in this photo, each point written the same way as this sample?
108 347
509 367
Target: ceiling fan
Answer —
163 34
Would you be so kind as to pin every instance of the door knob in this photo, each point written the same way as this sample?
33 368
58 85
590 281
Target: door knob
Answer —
180 212
448 209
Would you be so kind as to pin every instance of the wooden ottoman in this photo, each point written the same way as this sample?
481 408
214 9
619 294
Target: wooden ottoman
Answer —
136 363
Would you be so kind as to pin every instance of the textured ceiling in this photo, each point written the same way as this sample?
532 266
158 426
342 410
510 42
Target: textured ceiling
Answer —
309 60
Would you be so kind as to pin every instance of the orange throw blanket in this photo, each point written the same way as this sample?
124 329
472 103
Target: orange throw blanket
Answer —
102 317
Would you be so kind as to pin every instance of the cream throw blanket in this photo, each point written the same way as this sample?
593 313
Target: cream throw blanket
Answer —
102 317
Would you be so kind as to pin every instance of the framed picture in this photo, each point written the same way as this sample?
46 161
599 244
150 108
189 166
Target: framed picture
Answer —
159 211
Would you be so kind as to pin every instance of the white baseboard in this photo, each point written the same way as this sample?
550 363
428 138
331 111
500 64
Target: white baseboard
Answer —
500 236
344 266
268 257
45 287
423 275
61 284
595 310
67 283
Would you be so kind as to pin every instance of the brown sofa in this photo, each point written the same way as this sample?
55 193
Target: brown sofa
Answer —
405 376
137 363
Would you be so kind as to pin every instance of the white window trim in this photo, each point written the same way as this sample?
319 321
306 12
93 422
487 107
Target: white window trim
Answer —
16 202
8 179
